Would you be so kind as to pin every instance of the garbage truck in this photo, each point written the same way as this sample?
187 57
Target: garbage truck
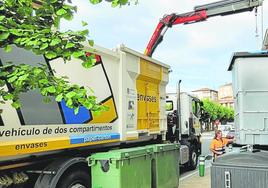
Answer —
43 145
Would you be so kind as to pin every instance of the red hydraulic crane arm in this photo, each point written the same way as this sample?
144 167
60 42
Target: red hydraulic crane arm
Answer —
169 21
200 13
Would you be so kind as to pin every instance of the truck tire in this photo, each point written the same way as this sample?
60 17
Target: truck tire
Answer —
192 158
75 178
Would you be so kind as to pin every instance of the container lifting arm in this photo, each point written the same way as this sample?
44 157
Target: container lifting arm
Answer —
200 13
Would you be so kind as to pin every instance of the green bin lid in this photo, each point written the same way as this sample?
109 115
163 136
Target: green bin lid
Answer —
122 154
163 147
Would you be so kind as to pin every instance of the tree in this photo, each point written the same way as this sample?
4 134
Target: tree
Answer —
32 26
217 111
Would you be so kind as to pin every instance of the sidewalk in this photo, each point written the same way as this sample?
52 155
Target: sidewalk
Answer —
195 181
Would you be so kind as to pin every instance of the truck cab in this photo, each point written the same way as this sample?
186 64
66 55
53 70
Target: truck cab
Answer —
183 115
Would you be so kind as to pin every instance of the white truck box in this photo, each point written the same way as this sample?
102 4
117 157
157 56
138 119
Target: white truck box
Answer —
250 86
130 84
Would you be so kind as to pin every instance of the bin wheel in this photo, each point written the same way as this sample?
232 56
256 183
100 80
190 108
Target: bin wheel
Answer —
75 179
192 158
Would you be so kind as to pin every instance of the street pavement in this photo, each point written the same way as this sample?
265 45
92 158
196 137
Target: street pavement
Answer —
191 179
205 139
195 181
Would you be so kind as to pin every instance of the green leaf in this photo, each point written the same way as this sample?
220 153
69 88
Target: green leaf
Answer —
43 39
50 55
95 1
4 36
61 11
12 79
37 72
8 48
69 45
17 41
44 46
84 23
115 4
91 42
88 105
76 110
68 16
69 103
16 104
78 54
2 83
2 17
57 22
15 32
87 64
51 89
9 96
84 32
43 81
59 97
2 28
23 77
67 53
54 42
70 94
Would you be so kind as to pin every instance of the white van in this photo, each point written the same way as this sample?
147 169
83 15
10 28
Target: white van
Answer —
226 128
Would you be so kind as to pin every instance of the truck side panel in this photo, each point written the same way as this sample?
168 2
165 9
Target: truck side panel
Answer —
38 127
251 99
148 96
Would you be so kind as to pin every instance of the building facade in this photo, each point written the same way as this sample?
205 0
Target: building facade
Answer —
225 95
206 93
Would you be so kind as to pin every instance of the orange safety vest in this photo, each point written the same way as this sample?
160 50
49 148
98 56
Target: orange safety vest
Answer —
218 145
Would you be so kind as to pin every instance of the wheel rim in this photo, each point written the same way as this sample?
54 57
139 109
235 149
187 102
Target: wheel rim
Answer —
77 185
194 158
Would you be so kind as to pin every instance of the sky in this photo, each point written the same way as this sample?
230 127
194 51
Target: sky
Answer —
199 54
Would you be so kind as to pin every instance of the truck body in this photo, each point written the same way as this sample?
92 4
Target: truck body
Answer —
246 166
184 113
38 135
250 86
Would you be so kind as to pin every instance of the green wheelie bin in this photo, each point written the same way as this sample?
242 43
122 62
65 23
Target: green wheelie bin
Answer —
123 168
165 165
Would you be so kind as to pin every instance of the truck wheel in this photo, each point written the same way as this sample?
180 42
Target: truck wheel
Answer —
193 158
75 178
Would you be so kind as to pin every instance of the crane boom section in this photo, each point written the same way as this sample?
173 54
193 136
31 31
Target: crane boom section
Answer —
228 7
169 21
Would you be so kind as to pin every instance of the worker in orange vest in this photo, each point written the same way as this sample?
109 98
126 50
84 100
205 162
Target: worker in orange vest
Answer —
217 146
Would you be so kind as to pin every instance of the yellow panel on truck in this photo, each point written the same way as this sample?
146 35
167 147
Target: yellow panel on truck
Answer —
129 83
148 83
